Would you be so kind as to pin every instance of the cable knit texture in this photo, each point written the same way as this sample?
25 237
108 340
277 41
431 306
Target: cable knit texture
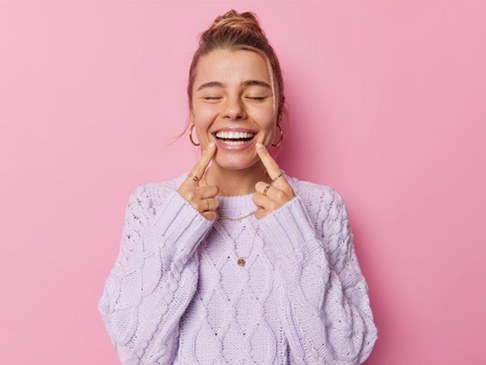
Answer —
177 296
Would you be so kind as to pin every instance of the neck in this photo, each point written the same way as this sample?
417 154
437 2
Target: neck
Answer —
235 182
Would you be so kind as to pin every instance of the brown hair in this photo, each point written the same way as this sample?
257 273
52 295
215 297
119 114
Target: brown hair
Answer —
240 31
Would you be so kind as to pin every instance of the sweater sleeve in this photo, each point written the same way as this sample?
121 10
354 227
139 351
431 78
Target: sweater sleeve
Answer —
154 276
324 297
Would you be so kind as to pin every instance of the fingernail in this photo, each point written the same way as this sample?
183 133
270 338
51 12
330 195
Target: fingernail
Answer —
211 145
259 146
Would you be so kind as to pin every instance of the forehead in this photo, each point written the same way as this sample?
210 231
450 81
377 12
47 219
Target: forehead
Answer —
231 67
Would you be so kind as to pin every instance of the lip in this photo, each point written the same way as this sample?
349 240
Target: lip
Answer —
238 147
248 130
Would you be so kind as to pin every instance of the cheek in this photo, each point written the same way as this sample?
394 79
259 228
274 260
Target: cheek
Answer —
266 120
203 117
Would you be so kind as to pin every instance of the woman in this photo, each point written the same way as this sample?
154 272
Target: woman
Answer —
236 262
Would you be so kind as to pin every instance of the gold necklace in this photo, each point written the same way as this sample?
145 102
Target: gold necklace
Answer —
241 261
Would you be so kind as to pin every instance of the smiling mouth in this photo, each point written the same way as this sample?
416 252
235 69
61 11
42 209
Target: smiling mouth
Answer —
234 138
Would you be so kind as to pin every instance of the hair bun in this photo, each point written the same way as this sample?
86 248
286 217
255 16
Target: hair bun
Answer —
232 19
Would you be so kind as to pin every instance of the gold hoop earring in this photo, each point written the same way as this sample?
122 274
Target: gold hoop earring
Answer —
190 137
281 136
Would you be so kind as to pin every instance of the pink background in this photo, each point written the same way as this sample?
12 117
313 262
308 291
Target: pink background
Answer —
387 104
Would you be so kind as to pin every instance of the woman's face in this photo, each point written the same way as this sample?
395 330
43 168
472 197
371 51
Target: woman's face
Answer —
232 105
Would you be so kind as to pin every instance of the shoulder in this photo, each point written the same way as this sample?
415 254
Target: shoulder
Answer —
314 192
327 213
149 196
321 202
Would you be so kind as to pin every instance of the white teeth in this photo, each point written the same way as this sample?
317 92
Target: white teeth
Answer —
234 143
234 135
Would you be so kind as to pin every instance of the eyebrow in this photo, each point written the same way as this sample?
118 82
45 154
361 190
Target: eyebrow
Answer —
245 84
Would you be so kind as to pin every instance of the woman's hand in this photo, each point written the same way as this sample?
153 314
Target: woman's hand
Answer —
270 197
202 198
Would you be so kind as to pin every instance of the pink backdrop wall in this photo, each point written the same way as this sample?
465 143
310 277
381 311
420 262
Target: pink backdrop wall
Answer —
387 103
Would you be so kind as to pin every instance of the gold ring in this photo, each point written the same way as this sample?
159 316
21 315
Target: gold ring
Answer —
278 176
266 189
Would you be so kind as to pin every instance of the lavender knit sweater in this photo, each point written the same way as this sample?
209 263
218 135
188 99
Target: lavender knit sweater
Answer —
177 296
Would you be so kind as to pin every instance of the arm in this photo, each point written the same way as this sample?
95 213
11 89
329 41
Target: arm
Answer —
154 277
323 296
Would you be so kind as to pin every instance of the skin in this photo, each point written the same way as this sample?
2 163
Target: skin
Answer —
232 91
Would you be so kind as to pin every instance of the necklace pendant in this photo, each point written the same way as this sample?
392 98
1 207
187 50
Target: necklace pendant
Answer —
241 262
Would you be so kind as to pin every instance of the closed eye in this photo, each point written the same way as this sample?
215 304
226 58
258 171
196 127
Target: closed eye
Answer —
257 98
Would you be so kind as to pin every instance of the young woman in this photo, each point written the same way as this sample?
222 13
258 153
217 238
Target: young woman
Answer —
236 262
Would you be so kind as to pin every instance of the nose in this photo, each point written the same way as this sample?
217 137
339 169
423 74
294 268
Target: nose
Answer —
234 109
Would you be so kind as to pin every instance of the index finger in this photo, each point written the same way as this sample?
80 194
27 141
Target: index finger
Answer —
270 164
198 169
